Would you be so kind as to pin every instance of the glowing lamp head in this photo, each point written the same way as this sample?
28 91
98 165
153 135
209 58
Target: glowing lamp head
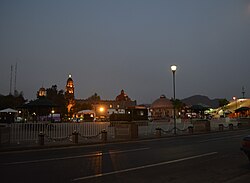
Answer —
173 68
234 98
70 75
101 109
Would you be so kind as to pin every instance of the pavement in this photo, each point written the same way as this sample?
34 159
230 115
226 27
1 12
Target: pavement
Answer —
54 144
210 157
57 144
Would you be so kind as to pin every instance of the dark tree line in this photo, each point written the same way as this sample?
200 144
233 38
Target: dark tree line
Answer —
58 98
12 101
86 105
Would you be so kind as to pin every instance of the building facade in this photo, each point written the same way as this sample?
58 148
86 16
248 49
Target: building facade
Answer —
104 108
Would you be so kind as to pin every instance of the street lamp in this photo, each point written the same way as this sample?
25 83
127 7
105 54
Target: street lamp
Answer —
173 69
235 99
52 112
101 109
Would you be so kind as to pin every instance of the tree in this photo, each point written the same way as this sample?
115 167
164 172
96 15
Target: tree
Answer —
223 102
81 106
94 97
178 104
58 98
12 101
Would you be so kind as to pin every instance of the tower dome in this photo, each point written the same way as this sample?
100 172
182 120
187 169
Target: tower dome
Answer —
162 102
122 97
70 85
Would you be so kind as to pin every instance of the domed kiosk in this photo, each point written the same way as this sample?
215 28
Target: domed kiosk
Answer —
162 108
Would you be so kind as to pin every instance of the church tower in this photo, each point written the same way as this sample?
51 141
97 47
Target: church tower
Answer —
41 92
69 93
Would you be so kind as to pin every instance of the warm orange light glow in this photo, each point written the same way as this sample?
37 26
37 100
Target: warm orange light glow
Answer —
101 109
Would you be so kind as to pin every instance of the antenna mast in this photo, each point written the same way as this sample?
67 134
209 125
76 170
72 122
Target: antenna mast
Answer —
243 92
15 78
11 70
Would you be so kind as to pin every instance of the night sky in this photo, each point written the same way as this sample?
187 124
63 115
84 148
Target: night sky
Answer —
109 45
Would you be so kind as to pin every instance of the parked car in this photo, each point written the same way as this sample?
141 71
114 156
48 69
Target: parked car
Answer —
18 119
246 146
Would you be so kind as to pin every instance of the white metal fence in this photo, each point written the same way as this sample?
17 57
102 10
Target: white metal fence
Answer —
29 131
25 132
164 125
214 123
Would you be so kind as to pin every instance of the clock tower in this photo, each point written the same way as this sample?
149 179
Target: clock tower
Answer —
69 93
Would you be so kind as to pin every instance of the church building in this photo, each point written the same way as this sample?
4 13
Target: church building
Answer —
102 108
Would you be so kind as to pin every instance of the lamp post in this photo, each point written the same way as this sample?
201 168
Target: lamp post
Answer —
52 112
235 99
173 69
102 111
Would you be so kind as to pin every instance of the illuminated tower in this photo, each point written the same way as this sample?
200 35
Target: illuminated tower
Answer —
41 92
69 93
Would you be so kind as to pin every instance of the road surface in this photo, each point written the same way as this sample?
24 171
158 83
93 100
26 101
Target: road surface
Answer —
214 157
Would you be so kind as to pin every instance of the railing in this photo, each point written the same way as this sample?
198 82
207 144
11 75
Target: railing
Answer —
164 125
214 123
29 132
4 135
21 132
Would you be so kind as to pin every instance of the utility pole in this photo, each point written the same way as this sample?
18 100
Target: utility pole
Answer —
243 92
11 71
15 79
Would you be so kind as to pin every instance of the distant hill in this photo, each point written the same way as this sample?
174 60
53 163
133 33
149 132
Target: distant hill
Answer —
199 99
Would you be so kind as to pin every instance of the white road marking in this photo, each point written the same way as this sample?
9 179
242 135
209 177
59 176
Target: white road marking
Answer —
145 166
221 138
74 157
94 145
47 148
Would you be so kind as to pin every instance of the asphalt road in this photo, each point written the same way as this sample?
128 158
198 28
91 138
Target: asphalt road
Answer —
214 157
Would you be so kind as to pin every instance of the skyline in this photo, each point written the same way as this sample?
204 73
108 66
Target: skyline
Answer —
112 45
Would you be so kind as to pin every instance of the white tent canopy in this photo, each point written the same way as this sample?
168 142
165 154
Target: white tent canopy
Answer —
8 110
86 112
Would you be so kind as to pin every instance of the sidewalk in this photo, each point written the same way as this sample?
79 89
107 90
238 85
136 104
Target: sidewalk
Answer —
57 144
68 143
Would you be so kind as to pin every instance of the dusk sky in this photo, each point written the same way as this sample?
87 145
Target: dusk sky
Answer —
109 45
